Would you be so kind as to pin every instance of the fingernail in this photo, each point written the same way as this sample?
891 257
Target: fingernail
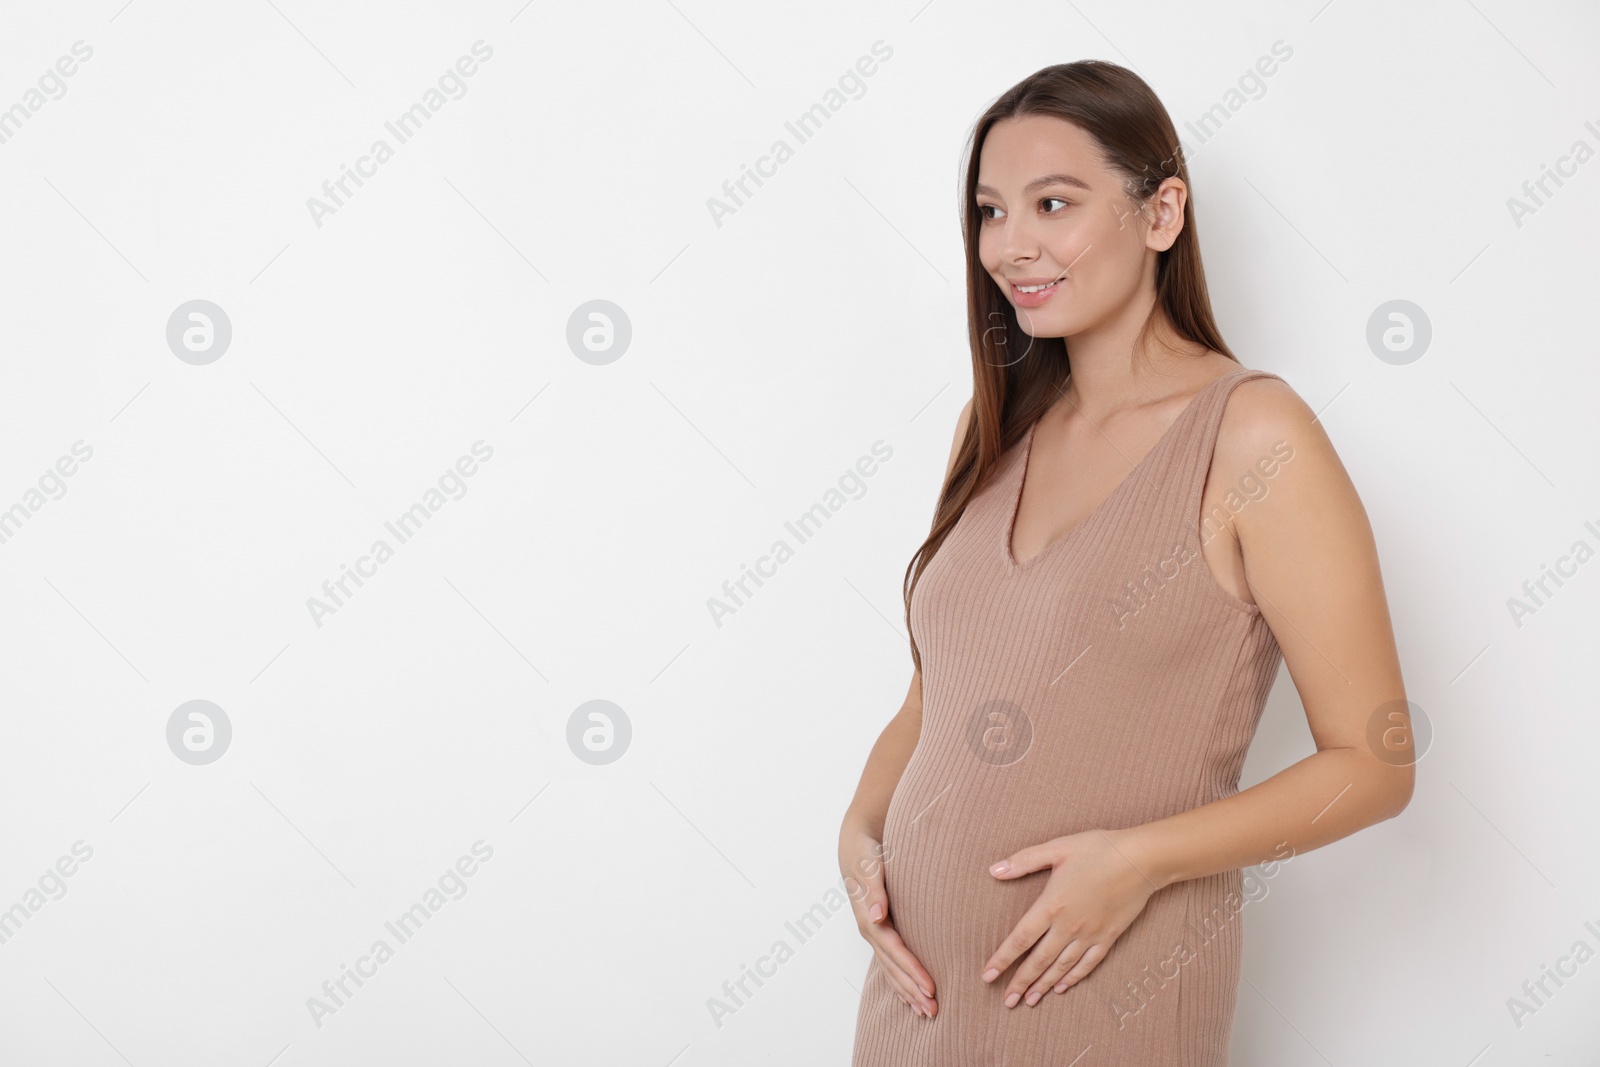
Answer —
1062 988
1011 1001
1033 998
876 913
1000 868
990 975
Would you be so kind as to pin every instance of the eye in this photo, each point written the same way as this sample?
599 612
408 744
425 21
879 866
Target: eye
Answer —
984 209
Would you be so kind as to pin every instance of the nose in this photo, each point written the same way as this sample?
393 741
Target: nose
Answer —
1018 243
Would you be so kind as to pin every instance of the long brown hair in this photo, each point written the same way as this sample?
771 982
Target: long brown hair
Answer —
1114 106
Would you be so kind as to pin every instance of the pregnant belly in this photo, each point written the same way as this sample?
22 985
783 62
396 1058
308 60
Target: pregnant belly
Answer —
1170 976
939 842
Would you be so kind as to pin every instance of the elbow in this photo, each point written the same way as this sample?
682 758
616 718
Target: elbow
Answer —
1394 809
1398 785
1385 786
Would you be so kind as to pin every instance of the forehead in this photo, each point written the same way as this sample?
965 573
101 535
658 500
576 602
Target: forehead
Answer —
1021 150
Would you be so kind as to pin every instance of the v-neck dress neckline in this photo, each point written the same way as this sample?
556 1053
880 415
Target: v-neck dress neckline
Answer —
1007 548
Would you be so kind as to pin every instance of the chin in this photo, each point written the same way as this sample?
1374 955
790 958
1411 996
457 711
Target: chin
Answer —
1042 326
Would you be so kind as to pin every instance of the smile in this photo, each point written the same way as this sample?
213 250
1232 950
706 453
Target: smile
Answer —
1032 296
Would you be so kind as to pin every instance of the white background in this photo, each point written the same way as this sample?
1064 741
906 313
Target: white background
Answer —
430 311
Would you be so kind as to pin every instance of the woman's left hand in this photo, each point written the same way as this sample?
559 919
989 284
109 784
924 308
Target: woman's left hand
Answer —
1093 895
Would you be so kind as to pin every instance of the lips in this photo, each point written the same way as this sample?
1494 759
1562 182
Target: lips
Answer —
1022 298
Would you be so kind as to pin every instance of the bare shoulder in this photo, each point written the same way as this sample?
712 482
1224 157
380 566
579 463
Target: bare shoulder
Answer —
1272 442
1260 411
962 422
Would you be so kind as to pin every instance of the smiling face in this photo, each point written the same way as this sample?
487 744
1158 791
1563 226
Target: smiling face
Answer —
1053 214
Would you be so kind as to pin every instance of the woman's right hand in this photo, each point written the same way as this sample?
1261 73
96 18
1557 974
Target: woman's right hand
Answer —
861 860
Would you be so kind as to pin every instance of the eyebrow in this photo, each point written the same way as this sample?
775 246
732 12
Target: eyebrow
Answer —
1040 183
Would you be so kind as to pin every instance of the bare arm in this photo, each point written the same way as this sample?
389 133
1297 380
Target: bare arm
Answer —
861 856
1312 566
885 764
889 756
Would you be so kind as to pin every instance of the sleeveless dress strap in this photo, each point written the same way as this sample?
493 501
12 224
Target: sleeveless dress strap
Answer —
1193 462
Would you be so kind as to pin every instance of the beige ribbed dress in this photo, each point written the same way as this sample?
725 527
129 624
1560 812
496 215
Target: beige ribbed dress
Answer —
1106 682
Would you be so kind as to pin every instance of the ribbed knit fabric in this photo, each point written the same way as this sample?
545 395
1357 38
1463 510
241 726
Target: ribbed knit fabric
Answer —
1106 682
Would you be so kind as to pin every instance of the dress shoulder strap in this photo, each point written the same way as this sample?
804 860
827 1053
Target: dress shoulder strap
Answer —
1192 462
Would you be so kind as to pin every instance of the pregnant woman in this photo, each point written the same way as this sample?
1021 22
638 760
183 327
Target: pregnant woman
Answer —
1045 848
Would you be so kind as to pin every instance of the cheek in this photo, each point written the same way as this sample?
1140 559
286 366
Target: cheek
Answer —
1114 257
988 250
1080 241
